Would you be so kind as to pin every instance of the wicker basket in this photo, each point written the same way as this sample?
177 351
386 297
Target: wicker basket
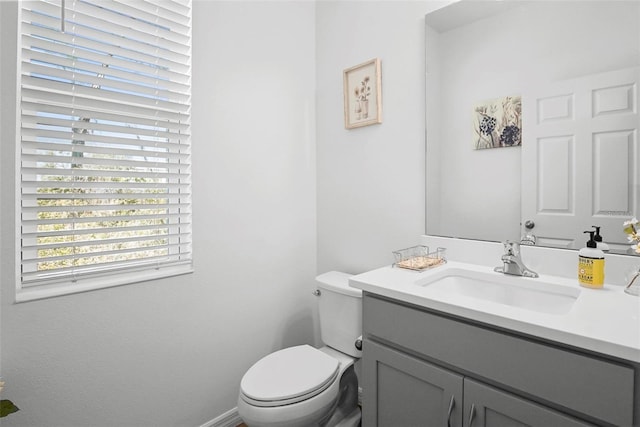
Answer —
419 258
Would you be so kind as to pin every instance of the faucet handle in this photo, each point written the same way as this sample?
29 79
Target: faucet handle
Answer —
511 248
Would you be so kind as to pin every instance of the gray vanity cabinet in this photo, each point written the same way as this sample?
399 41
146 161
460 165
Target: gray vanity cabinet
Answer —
426 368
404 391
486 406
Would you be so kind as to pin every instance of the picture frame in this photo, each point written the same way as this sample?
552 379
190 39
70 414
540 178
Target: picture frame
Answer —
497 123
362 94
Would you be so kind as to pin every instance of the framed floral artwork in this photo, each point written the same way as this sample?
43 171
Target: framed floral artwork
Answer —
498 123
362 95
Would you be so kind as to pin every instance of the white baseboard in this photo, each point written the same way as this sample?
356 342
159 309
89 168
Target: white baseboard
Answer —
231 418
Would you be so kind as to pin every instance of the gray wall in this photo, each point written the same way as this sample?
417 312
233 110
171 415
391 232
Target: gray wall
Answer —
172 352
371 191
281 192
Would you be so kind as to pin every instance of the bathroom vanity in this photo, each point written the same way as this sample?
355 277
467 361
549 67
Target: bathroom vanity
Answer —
424 367
435 357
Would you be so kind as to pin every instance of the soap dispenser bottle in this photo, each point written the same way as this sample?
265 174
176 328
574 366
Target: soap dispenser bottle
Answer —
598 238
591 264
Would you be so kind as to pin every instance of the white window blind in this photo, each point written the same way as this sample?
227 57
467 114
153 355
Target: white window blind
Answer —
105 139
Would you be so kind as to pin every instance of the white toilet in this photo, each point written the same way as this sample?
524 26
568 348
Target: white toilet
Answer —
303 386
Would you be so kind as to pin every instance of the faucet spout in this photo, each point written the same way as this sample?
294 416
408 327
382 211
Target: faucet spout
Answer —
512 262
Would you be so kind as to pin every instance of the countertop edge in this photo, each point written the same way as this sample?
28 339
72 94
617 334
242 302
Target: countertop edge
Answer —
561 335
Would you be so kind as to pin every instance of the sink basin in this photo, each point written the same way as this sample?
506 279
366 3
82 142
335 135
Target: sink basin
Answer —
526 293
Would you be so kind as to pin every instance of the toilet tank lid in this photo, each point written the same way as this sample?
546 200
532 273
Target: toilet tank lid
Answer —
338 281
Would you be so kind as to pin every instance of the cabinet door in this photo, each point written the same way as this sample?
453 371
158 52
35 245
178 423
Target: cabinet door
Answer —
485 406
402 391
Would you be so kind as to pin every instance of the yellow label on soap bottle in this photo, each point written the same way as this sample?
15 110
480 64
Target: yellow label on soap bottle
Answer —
591 272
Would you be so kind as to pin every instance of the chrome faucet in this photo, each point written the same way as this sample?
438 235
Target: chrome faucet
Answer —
512 263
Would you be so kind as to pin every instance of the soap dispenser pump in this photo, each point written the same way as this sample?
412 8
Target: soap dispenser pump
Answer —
598 238
591 264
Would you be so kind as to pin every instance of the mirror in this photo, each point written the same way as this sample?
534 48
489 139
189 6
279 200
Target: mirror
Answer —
539 62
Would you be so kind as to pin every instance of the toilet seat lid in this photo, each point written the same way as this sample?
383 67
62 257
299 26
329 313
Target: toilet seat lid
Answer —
289 373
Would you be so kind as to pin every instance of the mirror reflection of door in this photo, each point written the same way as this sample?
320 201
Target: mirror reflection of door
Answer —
580 164
479 50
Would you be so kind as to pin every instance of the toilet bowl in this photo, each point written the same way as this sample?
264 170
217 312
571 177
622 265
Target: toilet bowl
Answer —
303 386
300 387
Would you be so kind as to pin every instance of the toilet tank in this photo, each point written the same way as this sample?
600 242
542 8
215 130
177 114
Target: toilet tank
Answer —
340 312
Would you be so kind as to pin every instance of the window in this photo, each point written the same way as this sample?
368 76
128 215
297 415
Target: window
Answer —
105 143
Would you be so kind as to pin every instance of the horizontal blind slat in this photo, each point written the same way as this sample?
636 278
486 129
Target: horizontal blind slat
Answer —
146 61
56 139
88 248
34 95
173 193
109 27
157 130
114 150
105 242
115 28
67 56
124 20
38 47
116 99
29 134
44 108
153 164
116 264
130 218
172 11
69 192
101 78
102 253
33 278
99 173
174 228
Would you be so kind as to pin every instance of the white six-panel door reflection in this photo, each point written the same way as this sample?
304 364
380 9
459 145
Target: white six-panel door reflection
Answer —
580 158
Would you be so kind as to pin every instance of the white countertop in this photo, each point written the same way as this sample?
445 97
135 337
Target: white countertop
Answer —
604 320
